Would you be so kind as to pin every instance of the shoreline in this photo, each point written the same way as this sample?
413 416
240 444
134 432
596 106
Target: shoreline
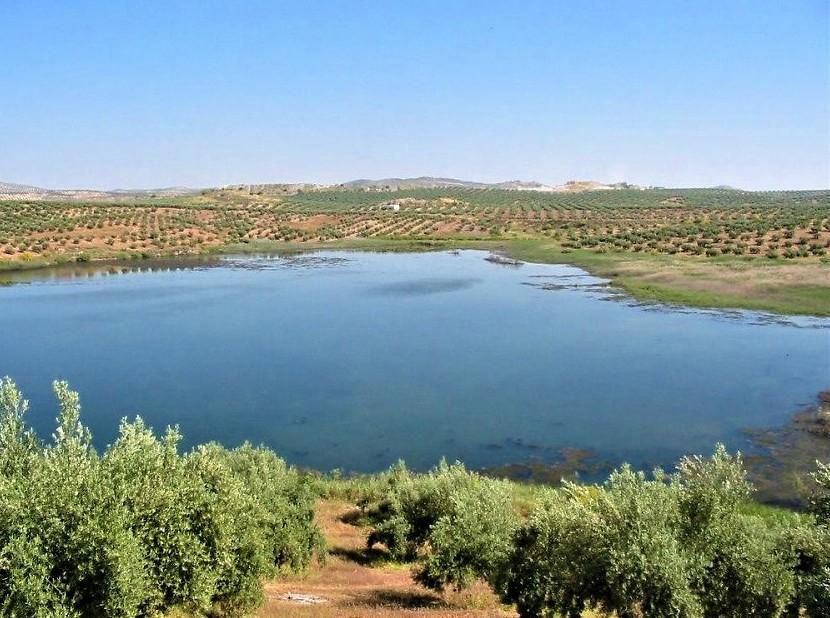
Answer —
751 283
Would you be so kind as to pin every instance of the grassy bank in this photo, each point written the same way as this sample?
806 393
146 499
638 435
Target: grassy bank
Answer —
741 283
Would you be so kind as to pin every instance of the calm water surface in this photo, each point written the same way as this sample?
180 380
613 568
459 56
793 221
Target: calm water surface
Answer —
353 360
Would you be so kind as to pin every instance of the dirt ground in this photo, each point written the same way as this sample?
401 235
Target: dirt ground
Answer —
356 581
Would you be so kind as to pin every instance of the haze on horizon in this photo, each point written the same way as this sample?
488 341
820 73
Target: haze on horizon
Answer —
105 95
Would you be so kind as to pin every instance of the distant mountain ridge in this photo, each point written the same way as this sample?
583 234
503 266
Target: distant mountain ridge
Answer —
15 191
20 191
430 182
421 182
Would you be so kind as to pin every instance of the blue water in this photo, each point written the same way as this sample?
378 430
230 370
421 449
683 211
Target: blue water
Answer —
353 360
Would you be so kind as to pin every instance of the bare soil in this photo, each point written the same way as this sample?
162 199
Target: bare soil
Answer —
356 581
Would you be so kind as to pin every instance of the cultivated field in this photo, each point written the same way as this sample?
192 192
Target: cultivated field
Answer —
793 225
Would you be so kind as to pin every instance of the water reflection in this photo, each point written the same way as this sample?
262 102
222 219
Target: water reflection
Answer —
74 271
421 287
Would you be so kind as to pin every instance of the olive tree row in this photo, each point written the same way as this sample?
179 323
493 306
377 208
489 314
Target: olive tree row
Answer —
666 545
141 528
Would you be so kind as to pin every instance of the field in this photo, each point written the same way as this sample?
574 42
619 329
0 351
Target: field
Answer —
708 247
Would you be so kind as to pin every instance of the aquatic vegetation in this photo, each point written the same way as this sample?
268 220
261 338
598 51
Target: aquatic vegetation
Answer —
780 468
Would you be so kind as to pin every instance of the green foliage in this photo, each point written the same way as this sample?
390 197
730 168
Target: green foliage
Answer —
65 545
410 505
675 546
744 574
820 502
810 545
471 540
159 491
284 504
142 528
739 569
465 519
690 544
615 548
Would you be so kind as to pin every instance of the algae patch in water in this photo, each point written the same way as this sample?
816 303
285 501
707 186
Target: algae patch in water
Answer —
786 456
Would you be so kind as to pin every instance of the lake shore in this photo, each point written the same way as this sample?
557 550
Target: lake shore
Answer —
755 283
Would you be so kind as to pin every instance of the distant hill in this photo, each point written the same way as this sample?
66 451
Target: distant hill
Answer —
10 187
163 191
520 185
14 191
430 182
422 182
10 190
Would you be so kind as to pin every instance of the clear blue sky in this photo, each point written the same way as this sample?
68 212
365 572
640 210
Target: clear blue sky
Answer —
124 94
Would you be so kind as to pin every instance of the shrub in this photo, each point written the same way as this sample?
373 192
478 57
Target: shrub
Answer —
745 573
820 500
465 519
473 539
613 548
675 546
225 517
140 529
162 498
811 546
285 504
64 541
410 505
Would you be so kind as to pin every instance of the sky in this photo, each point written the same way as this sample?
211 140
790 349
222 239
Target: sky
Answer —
115 94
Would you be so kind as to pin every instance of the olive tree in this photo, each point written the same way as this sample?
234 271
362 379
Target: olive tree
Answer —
810 545
461 522
141 529
662 546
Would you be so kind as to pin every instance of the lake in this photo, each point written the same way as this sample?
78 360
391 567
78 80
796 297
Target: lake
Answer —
352 360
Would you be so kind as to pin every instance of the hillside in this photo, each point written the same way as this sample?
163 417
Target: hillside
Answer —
422 182
429 182
14 191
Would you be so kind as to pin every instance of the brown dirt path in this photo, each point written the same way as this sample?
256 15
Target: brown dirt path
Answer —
358 582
